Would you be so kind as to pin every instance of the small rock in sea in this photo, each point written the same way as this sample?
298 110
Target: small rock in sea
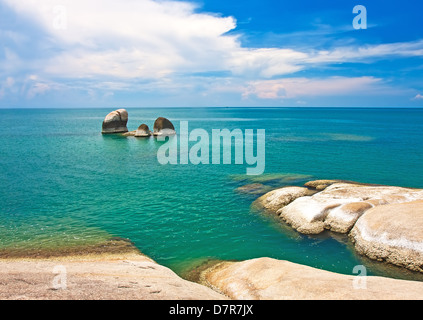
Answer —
143 131
115 122
163 127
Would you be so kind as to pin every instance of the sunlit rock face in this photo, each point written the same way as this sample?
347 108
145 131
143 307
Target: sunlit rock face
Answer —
115 122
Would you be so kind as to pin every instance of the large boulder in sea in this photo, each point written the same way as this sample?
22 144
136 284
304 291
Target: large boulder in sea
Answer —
163 127
115 122
270 279
392 233
143 131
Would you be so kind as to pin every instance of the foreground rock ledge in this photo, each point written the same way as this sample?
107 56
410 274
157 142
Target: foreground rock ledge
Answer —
129 276
269 279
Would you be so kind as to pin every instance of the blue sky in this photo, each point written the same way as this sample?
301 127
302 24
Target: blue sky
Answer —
147 53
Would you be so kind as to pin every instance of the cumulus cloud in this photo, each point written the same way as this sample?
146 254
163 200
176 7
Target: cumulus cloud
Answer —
154 39
418 97
116 45
130 39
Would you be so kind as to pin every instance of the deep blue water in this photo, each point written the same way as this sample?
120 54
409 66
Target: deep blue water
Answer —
63 183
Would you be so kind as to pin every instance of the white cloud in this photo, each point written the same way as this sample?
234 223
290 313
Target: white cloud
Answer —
33 86
153 39
291 88
111 45
265 63
131 39
367 53
7 85
418 97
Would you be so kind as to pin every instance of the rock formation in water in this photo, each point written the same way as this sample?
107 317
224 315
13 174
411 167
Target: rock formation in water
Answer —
385 220
143 131
164 127
115 122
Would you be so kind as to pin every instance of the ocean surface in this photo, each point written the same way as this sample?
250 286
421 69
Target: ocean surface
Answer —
64 184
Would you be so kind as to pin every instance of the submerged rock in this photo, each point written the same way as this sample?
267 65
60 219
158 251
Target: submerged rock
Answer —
163 126
115 122
392 233
143 131
255 188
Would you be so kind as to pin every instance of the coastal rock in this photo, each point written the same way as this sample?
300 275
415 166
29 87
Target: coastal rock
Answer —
392 233
269 279
143 131
341 219
307 215
276 199
163 126
115 122
337 207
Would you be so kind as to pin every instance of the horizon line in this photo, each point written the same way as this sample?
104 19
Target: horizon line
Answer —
215 107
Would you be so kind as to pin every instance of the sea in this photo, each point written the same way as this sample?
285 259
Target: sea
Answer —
64 184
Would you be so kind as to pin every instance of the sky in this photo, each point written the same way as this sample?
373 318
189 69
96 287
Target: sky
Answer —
210 53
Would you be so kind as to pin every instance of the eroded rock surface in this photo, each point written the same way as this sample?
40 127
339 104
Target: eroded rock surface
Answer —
269 279
385 222
392 233
337 207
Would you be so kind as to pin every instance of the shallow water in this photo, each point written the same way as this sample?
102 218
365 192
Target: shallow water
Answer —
63 183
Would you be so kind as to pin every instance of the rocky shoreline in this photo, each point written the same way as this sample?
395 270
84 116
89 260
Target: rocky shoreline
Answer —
383 222
130 275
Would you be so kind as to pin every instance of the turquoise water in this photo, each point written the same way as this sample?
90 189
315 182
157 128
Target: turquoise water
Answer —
63 183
